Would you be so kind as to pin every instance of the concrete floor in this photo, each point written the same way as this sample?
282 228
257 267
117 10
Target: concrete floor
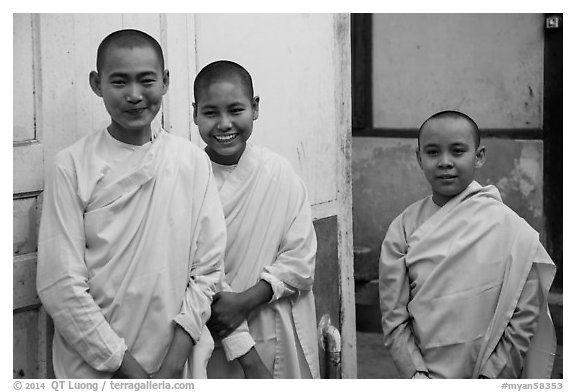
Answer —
374 361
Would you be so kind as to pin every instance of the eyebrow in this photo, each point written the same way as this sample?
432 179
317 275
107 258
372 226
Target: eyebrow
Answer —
430 145
209 106
458 144
141 74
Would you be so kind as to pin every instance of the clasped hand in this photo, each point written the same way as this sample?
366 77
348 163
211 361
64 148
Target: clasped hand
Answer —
229 310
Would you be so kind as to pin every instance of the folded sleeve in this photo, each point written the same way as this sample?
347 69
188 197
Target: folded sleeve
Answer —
507 359
62 276
206 261
296 257
240 341
394 297
279 288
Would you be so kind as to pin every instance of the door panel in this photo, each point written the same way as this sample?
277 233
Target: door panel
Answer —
28 181
25 345
23 79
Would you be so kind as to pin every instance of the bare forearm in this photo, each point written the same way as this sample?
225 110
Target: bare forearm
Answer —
130 368
229 309
253 366
177 354
257 295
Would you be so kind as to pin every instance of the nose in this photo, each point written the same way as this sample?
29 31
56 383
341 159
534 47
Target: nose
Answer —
134 93
224 123
445 161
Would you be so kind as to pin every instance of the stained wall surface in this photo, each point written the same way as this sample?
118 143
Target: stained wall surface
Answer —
387 179
489 66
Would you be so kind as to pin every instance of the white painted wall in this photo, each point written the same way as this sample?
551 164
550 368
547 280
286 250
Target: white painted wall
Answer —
291 58
489 66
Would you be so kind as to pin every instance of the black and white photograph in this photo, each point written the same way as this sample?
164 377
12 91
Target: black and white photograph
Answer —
363 196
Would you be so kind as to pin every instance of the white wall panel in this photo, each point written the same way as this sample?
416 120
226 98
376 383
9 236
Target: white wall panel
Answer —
23 79
291 58
489 66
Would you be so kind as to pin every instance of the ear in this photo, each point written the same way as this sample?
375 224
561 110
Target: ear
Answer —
195 113
165 81
255 107
418 158
480 157
95 83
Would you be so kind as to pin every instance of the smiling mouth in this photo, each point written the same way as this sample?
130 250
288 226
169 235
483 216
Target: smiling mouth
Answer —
135 111
226 138
446 177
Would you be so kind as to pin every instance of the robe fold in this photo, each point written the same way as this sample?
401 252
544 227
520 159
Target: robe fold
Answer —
464 289
270 237
131 241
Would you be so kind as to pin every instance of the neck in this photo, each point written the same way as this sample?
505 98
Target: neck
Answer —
440 200
226 160
136 137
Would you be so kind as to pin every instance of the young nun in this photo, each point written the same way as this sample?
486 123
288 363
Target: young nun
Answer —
271 247
464 280
132 234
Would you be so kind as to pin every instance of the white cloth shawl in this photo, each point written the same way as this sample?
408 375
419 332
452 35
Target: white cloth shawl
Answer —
270 232
126 249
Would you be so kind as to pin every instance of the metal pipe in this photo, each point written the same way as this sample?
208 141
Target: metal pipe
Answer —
332 345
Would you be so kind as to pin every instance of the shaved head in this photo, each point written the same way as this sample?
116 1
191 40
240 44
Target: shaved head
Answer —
455 115
222 70
128 38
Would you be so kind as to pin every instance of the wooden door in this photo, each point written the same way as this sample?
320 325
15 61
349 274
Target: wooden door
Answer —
31 332
54 107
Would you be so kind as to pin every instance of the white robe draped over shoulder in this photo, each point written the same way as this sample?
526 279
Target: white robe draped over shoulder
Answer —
464 288
270 237
131 241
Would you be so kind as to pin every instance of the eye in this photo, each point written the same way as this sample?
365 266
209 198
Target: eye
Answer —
209 113
118 82
148 82
431 153
237 110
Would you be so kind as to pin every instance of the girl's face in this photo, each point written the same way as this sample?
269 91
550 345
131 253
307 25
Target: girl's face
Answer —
225 114
131 84
448 156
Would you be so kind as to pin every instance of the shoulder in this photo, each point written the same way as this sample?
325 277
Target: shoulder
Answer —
407 220
486 209
413 210
489 201
417 206
183 150
275 164
179 143
276 169
271 158
69 157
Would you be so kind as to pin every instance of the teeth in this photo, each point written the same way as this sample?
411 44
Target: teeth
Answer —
225 138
